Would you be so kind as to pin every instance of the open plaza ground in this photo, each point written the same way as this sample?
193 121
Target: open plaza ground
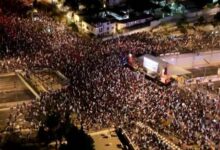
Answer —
106 139
101 91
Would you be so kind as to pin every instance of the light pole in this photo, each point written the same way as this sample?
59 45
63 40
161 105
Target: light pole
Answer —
205 67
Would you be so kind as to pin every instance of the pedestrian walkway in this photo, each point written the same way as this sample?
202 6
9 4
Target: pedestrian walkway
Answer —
7 74
102 131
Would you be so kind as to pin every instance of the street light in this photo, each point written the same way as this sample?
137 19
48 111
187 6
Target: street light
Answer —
205 67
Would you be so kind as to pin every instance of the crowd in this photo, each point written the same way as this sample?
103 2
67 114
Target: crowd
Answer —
102 92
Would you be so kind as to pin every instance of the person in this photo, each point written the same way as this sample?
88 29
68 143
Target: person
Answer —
102 92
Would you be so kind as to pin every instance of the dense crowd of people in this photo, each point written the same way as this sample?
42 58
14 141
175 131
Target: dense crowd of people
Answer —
104 93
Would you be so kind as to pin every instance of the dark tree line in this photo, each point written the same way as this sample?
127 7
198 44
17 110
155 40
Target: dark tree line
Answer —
56 130
15 6
53 130
217 16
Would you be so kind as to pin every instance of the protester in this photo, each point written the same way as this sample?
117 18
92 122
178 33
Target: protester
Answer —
104 93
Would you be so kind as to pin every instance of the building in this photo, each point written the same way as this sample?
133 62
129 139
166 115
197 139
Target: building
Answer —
94 25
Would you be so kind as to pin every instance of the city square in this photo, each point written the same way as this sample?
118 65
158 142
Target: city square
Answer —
109 75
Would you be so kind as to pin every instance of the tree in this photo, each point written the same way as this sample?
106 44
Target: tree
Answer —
77 139
217 16
92 4
140 5
12 141
16 6
49 132
55 130
34 3
166 9
74 4
15 141
52 120
43 136
181 24
200 3
201 20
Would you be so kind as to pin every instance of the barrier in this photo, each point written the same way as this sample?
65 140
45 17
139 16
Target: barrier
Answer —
27 84
126 140
62 76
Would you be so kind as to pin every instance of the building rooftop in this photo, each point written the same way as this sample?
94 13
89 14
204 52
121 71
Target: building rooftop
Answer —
94 20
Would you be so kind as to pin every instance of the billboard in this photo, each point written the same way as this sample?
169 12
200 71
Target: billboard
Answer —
150 64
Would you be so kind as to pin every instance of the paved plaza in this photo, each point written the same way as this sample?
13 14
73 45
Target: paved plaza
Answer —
13 90
106 140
